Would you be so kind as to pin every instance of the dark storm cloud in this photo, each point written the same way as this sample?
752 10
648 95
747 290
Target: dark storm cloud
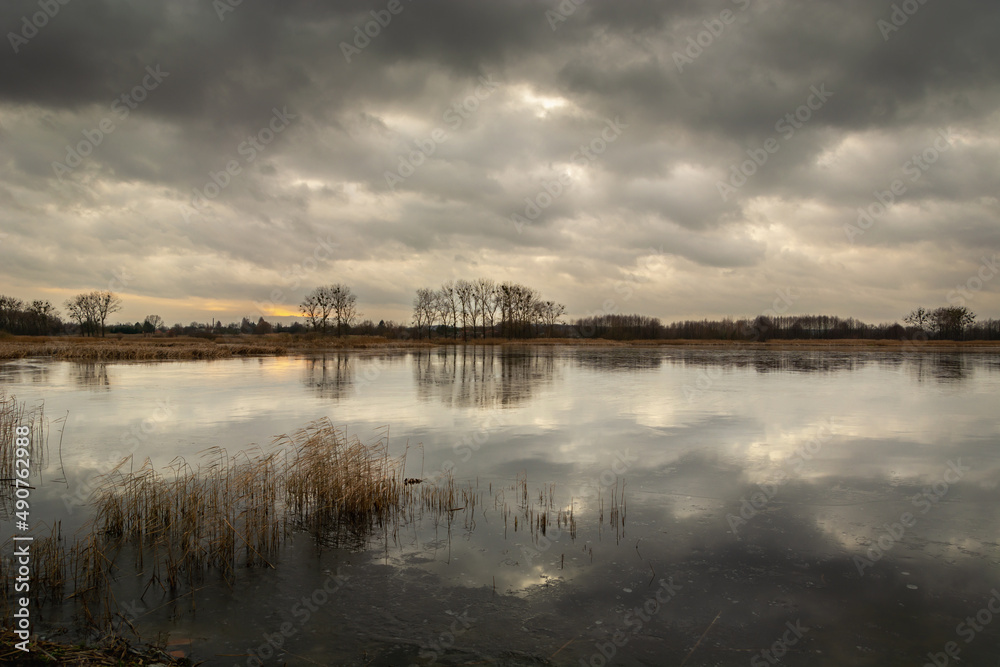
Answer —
193 175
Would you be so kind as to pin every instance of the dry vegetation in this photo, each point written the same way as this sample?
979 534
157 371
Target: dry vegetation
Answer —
175 527
113 651
169 530
12 415
132 348
164 532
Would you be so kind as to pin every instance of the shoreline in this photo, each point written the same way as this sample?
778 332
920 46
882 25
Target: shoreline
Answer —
112 650
163 348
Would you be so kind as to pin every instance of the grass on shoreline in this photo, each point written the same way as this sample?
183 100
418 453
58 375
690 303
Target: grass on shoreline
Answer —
137 348
113 651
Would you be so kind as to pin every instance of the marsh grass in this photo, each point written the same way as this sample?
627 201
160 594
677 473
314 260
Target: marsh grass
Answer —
333 481
163 533
168 530
12 415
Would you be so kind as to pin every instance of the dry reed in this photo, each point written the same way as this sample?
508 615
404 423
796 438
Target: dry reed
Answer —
168 530
12 415
140 349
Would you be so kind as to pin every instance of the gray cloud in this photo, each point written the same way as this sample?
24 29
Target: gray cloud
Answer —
130 202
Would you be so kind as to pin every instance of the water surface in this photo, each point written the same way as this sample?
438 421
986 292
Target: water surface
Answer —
766 496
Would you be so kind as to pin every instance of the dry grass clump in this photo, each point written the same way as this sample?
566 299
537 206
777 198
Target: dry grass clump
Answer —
112 651
335 481
167 530
12 415
232 512
224 516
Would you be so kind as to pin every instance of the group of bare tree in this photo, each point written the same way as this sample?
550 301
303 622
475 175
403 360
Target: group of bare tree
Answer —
946 322
91 310
484 308
331 301
38 318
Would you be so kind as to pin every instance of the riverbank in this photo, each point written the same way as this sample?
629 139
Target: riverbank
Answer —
129 348
113 651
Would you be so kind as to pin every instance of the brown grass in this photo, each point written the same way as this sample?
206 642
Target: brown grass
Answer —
232 512
136 348
110 651
167 530
12 415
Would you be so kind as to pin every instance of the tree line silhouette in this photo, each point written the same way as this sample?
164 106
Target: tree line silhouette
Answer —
484 308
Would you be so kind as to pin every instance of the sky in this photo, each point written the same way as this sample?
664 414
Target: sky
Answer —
685 159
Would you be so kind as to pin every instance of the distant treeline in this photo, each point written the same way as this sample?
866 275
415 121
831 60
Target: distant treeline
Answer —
38 318
940 324
485 309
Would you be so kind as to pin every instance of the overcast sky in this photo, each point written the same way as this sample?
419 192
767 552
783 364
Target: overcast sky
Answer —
592 152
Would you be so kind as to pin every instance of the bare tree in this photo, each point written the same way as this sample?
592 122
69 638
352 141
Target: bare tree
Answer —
152 324
464 291
482 289
78 312
548 314
344 304
423 310
86 310
317 306
10 313
311 311
919 318
105 303
952 322
43 318
447 306
492 303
